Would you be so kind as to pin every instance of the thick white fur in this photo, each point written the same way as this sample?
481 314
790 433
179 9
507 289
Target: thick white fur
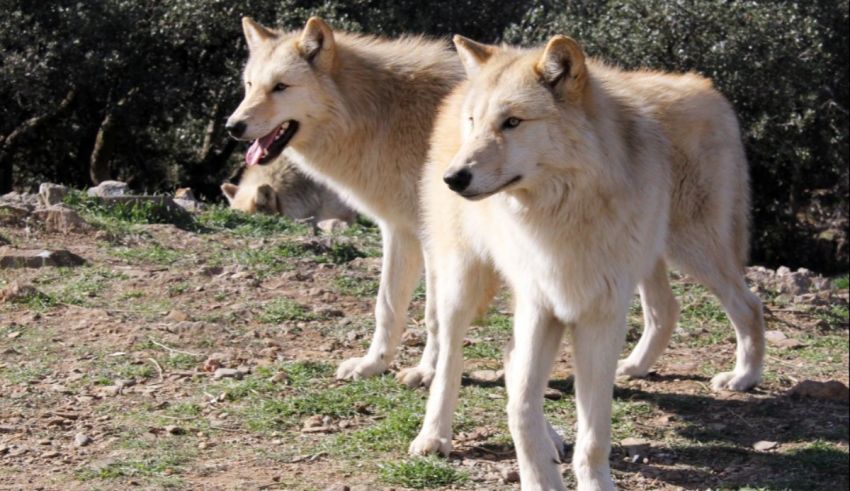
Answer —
365 108
609 185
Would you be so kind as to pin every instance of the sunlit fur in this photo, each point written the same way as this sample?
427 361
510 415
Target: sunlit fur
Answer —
365 107
278 188
618 173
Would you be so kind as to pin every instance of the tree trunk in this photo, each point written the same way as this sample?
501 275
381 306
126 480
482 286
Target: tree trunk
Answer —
8 142
98 164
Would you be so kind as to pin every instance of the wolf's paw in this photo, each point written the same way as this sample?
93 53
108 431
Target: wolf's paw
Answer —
558 441
628 368
430 444
417 376
358 368
739 382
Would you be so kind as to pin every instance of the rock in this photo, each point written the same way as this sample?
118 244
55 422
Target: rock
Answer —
316 424
765 445
338 487
278 378
492 376
774 336
81 440
832 390
50 194
509 475
37 258
62 219
177 316
108 189
553 394
13 214
636 448
413 338
227 373
332 225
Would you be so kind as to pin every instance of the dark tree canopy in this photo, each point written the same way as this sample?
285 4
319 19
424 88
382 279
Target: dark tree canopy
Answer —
139 90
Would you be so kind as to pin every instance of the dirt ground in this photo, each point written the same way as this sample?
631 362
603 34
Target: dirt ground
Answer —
202 357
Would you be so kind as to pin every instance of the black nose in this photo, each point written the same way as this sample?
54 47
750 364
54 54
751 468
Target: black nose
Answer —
459 180
236 129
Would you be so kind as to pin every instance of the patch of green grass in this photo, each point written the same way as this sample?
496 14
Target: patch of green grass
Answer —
158 465
356 286
223 218
119 218
836 316
178 288
841 282
421 472
86 284
154 253
497 322
486 350
179 361
284 309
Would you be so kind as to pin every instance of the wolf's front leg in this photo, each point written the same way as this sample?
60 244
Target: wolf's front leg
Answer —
597 340
462 285
400 270
537 340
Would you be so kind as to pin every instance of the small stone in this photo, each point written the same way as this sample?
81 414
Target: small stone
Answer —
774 336
413 338
636 448
38 258
50 454
108 189
338 487
279 377
50 194
509 475
491 376
221 373
553 394
81 440
765 445
332 225
177 316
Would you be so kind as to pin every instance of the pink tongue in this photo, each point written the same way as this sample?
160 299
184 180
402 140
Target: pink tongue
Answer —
255 151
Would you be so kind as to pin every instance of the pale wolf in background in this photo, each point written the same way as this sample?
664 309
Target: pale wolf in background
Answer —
355 113
280 188
576 182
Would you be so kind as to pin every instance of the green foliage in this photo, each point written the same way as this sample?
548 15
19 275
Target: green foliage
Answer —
249 225
783 65
154 82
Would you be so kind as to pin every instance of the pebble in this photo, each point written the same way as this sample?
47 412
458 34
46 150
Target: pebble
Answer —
81 440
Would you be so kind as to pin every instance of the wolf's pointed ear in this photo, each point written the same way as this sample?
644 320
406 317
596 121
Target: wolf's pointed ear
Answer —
255 34
317 44
562 67
229 190
472 54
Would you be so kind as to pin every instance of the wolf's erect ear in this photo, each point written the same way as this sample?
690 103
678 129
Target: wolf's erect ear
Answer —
562 66
317 44
229 190
472 54
255 34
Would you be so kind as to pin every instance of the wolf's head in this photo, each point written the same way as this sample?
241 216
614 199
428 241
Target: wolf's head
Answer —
284 82
251 198
520 111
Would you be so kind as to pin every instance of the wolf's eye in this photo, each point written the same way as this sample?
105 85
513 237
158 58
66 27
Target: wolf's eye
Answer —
279 87
511 123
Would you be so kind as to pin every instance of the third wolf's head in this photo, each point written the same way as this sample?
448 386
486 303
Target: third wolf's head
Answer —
521 116
285 81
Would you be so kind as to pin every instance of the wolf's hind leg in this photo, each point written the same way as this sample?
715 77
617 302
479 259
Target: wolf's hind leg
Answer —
660 312
400 270
423 373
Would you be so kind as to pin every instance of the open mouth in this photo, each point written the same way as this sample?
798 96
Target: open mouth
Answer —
265 149
480 196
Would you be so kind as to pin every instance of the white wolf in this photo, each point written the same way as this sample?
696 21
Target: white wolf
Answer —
575 182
